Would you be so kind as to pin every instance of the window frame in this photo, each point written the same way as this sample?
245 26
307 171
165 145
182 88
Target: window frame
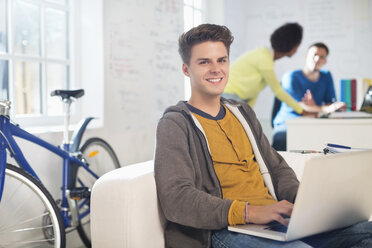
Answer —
44 118
195 6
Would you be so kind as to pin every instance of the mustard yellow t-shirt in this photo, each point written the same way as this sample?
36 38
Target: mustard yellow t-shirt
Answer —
234 163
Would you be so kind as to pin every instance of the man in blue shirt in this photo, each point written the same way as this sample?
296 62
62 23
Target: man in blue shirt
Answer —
310 85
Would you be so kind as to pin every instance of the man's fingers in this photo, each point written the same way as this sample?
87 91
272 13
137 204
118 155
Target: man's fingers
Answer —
281 220
285 208
266 214
309 95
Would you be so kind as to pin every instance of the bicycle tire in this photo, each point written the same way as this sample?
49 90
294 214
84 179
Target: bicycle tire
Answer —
101 159
28 213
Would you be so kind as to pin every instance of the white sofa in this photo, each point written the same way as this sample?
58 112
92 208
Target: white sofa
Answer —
124 206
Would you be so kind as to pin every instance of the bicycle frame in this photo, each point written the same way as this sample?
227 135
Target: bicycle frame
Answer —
7 141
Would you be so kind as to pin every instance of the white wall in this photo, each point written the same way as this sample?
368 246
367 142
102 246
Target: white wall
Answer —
142 72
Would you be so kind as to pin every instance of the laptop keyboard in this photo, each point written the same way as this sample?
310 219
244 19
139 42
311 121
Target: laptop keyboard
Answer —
277 227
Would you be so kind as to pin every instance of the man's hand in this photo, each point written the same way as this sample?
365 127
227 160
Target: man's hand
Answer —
308 98
309 106
266 214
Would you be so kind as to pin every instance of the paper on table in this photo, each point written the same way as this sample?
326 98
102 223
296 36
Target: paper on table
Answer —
346 115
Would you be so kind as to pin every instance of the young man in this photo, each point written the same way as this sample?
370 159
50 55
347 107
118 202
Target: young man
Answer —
213 165
310 85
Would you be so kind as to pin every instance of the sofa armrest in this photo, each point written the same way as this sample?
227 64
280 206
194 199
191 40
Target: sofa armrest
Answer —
124 209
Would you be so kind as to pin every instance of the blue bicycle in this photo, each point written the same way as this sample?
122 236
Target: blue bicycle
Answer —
29 216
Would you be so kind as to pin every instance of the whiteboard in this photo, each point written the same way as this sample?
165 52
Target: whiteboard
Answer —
345 26
142 71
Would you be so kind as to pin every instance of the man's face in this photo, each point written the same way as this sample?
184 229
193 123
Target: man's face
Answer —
316 58
208 69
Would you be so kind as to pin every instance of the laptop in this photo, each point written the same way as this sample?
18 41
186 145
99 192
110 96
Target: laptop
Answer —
364 112
367 101
335 192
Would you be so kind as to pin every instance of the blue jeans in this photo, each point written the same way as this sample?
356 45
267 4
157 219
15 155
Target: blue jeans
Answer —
358 235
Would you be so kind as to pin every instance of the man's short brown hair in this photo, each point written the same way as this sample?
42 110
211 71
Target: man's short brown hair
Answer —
320 45
202 33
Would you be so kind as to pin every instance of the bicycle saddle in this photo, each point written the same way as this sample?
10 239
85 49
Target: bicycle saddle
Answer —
67 94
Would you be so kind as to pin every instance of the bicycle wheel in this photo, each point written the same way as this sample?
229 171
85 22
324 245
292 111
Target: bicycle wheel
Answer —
29 217
101 158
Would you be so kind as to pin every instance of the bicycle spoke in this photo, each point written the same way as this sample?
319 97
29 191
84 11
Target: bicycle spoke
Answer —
25 221
86 179
19 213
29 216
31 229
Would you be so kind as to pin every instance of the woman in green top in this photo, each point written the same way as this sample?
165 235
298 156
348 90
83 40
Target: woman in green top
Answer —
252 71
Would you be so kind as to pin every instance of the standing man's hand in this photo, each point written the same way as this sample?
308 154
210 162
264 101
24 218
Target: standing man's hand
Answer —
309 114
269 213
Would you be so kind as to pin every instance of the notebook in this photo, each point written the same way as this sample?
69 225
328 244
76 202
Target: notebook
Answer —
335 192
364 112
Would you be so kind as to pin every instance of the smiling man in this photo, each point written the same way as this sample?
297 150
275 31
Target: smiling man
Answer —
209 156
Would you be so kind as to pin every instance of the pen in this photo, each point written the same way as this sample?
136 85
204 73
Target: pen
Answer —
338 146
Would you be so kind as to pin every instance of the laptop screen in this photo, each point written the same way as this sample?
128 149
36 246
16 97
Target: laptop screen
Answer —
367 102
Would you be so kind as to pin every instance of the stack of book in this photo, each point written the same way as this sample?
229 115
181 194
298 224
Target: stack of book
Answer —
352 92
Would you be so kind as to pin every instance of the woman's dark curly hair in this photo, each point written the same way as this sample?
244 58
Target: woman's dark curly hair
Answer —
286 37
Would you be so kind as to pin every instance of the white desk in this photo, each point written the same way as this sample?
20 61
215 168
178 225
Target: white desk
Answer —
313 133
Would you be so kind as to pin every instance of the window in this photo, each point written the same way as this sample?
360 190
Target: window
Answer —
193 16
35 55
193 13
